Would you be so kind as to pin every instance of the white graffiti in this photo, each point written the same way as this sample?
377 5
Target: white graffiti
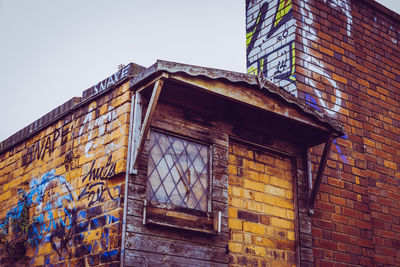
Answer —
345 8
89 124
270 41
309 35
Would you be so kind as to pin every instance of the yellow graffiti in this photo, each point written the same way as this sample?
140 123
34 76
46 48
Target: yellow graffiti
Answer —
293 76
249 35
255 69
284 7
262 65
252 70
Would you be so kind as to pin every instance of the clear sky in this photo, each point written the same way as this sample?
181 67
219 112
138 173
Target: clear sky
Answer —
50 51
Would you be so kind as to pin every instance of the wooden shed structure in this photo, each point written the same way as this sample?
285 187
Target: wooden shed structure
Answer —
218 170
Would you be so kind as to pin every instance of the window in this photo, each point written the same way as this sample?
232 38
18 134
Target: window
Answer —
178 172
179 184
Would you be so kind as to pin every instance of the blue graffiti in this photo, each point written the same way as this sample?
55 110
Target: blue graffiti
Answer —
313 103
58 221
342 157
106 256
48 203
35 197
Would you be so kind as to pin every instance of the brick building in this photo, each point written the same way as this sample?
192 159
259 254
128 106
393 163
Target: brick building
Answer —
181 165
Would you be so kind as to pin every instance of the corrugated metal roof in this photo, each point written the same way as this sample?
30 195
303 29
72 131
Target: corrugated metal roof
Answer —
235 77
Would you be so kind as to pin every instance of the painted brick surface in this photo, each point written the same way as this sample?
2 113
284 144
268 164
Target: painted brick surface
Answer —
347 66
261 208
70 176
270 41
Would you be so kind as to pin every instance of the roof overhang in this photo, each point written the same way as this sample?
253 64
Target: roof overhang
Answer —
243 89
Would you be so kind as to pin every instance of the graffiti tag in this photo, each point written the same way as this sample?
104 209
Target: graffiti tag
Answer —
97 191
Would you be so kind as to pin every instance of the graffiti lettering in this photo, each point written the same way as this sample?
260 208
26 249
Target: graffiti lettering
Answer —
110 81
102 173
38 149
283 35
96 191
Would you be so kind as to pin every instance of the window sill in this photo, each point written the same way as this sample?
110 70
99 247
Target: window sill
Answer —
180 218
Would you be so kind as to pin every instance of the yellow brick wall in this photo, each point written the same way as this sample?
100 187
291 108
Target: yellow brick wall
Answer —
71 177
261 208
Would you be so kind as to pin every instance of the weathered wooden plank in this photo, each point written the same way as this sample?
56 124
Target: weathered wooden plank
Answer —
135 226
248 97
220 180
137 191
220 195
176 217
144 259
176 248
135 207
220 166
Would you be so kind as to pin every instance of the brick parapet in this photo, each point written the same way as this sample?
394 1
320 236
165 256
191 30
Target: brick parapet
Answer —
61 111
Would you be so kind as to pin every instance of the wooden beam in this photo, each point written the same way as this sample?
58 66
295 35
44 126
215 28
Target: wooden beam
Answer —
320 173
136 128
144 86
146 123
255 98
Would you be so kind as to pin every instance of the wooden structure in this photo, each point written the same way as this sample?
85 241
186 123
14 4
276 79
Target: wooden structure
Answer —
249 128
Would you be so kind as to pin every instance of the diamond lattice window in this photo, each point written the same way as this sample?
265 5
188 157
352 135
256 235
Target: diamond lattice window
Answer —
178 172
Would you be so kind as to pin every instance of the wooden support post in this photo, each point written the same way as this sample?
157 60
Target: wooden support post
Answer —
137 123
146 124
320 173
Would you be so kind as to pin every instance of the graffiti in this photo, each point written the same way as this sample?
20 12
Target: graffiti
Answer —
270 42
339 150
282 15
47 145
271 50
310 60
252 32
89 124
114 79
312 63
343 6
102 173
96 192
54 209
58 221
62 234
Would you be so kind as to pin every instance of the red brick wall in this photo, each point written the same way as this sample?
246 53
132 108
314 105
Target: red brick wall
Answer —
347 65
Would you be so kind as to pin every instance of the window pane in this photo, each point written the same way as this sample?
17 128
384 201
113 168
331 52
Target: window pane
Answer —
178 172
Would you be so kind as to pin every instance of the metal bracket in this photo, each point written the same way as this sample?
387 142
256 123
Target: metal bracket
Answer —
321 168
144 211
217 222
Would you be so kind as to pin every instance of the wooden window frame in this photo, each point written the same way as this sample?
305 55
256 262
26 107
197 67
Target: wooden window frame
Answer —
185 218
